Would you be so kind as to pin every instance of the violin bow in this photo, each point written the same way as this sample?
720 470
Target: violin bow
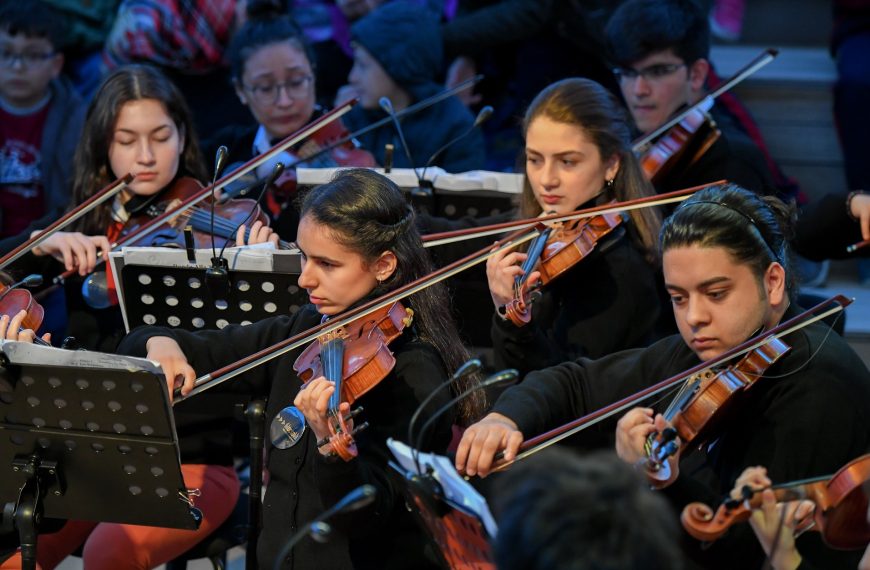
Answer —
540 442
292 139
252 361
442 238
106 193
760 61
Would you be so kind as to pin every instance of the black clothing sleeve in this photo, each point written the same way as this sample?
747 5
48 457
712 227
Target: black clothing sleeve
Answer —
606 302
824 230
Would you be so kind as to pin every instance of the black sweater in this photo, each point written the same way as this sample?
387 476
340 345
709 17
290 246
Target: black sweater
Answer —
807 417
302 484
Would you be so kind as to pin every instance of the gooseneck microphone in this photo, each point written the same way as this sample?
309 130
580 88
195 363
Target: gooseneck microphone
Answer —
509 375
387 106
218 269
319 529
32 280
482 116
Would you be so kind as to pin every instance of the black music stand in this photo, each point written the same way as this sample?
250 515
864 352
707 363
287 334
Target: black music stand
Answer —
159 286
458 533
87 436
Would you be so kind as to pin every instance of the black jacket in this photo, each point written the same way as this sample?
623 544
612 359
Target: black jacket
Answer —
806 417
302 484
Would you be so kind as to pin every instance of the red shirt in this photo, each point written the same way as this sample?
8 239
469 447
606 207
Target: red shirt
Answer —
21 194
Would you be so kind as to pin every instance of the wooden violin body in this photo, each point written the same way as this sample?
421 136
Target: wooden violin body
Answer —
700 407
564 247
683 145
356 358
840 515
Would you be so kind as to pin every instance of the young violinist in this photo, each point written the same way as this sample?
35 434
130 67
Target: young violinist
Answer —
359 241
661 53
273 71
776 524
725 262
139 123
578 156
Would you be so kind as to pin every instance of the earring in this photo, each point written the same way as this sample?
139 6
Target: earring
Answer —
609 184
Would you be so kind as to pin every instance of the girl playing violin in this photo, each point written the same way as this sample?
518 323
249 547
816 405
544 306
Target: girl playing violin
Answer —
577 155
725 261
139 123
273 73
359 241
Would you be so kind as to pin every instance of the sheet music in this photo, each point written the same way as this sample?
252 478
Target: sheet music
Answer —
25 353
456 489
475 181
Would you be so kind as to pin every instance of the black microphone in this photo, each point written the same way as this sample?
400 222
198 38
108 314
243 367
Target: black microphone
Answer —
509 375
481 118
466 369
318 529
32 280
387 106
218 269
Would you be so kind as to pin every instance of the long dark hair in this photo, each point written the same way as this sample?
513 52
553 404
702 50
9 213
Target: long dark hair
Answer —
755 230
367 213
588 106
92 170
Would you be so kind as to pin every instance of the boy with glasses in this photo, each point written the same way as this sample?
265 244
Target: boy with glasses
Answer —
40 121
661 49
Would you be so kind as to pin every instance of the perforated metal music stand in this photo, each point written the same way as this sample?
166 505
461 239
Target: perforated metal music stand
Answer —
87 436
158 286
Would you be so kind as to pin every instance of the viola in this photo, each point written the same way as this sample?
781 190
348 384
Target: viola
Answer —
356 357
14 300
555 252
840 514
700 406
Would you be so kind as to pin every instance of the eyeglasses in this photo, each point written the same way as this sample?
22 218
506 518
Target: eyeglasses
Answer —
653 73
27 59
295 88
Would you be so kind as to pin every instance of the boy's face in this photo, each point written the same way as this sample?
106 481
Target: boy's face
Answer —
27 66
369 80
719 303
659 84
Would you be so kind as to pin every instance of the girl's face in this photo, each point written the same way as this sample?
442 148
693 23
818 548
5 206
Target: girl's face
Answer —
564 167
335 276
719 303
145 142
278 87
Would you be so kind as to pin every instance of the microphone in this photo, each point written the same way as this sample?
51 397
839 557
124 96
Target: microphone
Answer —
32 280
482 117
387 106
509 375
319 529
218 269
470 367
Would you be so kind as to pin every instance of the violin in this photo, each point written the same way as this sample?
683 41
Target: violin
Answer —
683 144
330 146
13 300
555 252
701 404
356 358
840 514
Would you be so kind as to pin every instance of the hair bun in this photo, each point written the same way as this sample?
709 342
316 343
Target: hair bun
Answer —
266 9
